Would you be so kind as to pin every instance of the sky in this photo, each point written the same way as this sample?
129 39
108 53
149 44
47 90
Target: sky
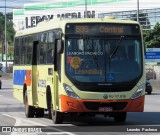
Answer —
17 4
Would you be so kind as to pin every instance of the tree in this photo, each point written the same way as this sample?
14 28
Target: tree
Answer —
152 37
10 30
1 27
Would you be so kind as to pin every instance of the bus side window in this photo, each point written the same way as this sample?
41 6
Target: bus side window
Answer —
50 47
23 51
17 52
29 49
43 46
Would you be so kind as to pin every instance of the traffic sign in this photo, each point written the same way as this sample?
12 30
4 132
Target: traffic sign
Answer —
152 55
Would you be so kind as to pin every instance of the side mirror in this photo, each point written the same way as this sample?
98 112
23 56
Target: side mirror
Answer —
60 46
0 75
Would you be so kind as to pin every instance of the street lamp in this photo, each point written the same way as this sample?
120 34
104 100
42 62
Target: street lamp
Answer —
85 8
137 10
5 42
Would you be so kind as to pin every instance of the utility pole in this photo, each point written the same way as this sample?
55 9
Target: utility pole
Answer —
85 9
137 10
5 36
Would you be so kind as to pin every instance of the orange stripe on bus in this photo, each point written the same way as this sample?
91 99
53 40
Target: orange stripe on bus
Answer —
28 78
77 105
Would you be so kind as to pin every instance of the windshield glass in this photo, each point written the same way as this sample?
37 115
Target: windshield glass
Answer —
103 59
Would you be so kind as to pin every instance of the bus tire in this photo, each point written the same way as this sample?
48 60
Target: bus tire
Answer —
39 112
120 117
57 117
49 114
29 110
49 98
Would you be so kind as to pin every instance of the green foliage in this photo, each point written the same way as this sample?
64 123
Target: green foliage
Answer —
10 55
152 37
1 27
10 30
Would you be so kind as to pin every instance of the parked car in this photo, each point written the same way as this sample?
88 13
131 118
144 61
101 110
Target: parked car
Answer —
148 86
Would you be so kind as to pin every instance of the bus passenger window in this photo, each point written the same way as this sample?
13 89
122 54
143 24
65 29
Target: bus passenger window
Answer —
17 52
43 47
23 51
29 50
50 46
41 57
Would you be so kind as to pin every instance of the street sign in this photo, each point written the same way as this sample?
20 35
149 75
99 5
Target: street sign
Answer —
152 55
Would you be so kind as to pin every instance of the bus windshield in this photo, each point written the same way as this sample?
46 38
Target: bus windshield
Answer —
95 59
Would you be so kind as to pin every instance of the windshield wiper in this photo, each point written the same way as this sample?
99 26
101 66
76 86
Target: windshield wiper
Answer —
116 48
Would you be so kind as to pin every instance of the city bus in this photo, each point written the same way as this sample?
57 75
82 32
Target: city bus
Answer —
69 67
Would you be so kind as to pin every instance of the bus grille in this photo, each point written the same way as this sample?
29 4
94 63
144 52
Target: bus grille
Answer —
95 105
114 88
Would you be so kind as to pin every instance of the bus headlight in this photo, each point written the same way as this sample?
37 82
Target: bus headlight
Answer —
70 92
138 93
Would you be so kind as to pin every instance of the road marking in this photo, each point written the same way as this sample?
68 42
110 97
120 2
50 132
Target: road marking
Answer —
18 123
61 133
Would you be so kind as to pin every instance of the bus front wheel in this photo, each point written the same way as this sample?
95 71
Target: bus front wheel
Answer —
29 110
57 117
120 117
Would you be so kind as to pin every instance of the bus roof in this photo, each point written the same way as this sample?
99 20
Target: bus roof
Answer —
60 23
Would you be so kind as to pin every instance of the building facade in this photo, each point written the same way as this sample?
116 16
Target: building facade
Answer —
147 17
32 14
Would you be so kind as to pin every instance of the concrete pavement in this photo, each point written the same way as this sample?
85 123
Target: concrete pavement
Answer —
155 85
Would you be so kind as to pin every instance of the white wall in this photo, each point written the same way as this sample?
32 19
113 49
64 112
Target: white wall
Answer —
99 8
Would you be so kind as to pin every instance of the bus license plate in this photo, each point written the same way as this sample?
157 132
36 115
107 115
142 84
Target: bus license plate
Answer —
105 109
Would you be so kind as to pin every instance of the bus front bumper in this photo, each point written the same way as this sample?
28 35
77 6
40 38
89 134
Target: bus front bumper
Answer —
78 105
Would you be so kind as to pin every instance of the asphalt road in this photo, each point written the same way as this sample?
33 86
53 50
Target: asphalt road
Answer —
12 114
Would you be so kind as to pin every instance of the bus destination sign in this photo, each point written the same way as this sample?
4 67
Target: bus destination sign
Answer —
102 29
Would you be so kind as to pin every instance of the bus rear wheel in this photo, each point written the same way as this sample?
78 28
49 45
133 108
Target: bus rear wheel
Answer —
29 110
57 117
120 117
